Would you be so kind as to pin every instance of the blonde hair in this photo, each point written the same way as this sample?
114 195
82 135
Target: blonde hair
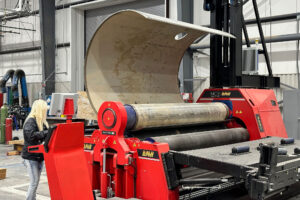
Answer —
39 112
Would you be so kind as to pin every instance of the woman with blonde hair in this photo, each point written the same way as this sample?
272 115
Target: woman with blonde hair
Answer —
35 130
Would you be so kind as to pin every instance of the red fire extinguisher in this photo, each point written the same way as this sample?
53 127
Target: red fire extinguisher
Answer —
8 129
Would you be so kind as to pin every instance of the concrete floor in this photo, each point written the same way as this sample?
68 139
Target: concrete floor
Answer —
14 187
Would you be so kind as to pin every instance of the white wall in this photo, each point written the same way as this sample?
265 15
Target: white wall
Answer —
282 55
30 61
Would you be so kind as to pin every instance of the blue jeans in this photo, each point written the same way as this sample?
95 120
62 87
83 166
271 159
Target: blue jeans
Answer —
34 169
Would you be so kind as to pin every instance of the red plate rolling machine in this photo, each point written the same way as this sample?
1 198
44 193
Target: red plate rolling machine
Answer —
127 167
121 160
153 146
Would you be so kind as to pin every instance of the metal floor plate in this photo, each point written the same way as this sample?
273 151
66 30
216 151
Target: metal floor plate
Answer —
223 153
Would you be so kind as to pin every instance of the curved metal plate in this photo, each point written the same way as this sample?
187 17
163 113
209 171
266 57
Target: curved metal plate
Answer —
134 57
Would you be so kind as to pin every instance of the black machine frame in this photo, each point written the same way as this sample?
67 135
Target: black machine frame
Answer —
272 174
226 54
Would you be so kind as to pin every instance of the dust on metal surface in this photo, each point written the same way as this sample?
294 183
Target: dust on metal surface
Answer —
174 114
134 58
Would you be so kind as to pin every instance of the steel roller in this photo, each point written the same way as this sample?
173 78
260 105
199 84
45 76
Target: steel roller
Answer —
142 116
198 140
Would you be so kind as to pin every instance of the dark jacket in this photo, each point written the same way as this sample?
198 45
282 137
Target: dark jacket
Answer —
32 136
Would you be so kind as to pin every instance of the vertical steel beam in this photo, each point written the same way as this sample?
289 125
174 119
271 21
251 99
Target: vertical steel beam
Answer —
216 65
226 29
262 38
245 32
235 70
186 13
47 28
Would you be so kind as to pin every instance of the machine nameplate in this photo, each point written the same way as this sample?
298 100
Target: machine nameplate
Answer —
260 126
88 146
222 94
148 154
108 133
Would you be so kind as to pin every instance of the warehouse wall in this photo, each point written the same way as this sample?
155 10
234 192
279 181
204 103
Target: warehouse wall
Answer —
30 61
282 55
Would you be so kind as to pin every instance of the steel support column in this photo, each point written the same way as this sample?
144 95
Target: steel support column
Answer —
262 37
216 65
235 69
47 28
185 13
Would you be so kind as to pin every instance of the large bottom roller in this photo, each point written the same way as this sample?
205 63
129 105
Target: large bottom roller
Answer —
198 140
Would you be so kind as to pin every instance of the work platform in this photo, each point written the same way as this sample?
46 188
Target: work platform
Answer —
268 165
223 154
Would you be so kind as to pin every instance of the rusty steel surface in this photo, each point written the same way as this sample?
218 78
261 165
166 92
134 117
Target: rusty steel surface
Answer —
134 57
200 140
176 114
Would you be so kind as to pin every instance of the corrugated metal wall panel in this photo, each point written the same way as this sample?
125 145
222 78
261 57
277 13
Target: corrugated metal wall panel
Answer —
201 81
288 79
93 18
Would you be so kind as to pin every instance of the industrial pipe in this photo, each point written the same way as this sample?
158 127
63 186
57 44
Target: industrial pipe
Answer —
9 75
20 75
32 48
17 15
198 140
272 39
142 116
273 18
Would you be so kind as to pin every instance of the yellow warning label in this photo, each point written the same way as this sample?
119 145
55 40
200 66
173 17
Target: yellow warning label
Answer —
148 154
225 94
88 146
238 112
114 142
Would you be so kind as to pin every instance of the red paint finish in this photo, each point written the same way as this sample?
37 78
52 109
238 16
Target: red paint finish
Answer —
8 129
104 184
108 118
256 109
1 100
66 164
69 109
135 167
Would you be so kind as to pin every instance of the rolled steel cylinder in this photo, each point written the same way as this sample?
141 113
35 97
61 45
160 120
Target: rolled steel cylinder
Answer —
134 57
198 140
140 116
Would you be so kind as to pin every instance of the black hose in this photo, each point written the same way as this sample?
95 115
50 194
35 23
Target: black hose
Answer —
9 75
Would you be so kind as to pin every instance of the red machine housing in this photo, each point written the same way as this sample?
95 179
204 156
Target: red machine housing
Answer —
128 167
131 164
134 168
255 109
65 161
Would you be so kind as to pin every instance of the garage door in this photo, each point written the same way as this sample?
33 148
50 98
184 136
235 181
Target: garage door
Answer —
93 18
